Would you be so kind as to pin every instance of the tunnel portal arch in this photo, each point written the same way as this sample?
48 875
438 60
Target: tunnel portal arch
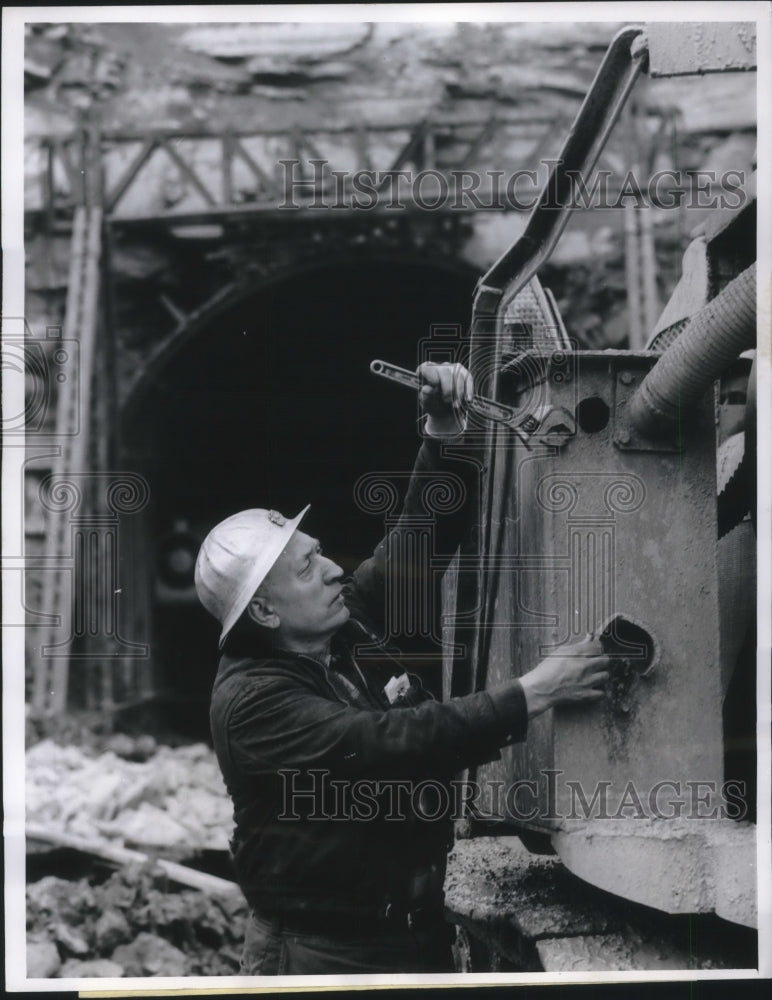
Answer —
268 401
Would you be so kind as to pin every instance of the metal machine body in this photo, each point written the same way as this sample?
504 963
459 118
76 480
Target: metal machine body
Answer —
609 524
586 531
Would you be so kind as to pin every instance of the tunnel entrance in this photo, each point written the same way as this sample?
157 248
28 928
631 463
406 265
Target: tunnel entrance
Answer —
273 405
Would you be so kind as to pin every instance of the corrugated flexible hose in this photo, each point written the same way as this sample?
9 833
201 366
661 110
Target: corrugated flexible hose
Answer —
716 335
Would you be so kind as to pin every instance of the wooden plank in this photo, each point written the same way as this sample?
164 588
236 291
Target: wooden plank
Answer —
363 148
254 166
173 309
227 168
187 171
484 136
448 121
300 141
429 157
54 606
203 881
74 177
122 186
408 150
272 213
47 186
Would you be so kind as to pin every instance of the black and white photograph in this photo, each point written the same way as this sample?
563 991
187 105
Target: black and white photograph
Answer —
386 505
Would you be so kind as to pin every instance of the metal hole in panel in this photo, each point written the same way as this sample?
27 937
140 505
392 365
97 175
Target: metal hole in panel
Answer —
592 414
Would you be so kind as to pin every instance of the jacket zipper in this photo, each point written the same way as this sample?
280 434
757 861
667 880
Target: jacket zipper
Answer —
324 670
370 635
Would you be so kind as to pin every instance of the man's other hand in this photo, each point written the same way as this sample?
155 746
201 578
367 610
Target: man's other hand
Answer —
445 392
574 673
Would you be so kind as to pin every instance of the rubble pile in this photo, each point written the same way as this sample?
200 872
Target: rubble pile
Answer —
133 924
174 798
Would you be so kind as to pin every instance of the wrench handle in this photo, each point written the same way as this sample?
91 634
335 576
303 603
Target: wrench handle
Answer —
395 374
480 405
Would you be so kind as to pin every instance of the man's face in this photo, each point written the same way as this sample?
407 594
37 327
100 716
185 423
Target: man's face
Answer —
304 589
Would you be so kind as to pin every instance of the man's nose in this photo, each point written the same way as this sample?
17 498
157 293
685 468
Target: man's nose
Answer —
331 571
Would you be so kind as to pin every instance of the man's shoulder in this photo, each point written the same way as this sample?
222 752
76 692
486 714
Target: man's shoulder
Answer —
243 684
246 671
240 677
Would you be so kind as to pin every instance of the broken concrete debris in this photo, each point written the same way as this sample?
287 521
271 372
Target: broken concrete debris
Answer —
43 960
69 941
150 955
135 922
132 924
112 929
132 794
97 968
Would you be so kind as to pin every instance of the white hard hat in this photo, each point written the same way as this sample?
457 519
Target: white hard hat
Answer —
235 558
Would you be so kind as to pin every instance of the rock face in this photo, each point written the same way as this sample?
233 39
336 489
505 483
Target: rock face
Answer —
259 77
263 79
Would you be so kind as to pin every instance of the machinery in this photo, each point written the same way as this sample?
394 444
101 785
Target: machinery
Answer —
625 513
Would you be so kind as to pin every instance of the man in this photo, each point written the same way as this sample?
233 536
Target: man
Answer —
316 741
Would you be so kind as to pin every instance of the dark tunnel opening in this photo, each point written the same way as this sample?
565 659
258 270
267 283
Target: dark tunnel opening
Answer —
273 405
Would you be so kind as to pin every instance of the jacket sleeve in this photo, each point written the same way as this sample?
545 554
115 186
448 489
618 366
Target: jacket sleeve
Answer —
278 724
441 490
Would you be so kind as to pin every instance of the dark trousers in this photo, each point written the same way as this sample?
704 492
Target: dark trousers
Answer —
273 947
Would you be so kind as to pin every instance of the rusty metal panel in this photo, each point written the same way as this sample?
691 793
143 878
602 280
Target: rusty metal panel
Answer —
582 532
686 48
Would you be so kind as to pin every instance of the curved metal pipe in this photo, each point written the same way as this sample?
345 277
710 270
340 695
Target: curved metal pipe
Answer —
625 59
715 336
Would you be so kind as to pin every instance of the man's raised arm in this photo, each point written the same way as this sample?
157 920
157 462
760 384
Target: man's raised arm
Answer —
445 391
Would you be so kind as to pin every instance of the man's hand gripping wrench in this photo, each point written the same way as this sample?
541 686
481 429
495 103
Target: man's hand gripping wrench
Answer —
481 406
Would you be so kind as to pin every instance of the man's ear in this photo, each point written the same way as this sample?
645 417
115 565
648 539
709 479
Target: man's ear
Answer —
262 613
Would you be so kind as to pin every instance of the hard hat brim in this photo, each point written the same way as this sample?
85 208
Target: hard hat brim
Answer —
261 570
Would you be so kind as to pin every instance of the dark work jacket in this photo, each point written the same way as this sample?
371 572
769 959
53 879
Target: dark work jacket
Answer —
323 770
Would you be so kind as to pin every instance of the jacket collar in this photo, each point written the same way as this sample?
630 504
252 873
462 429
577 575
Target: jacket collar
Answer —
233 660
